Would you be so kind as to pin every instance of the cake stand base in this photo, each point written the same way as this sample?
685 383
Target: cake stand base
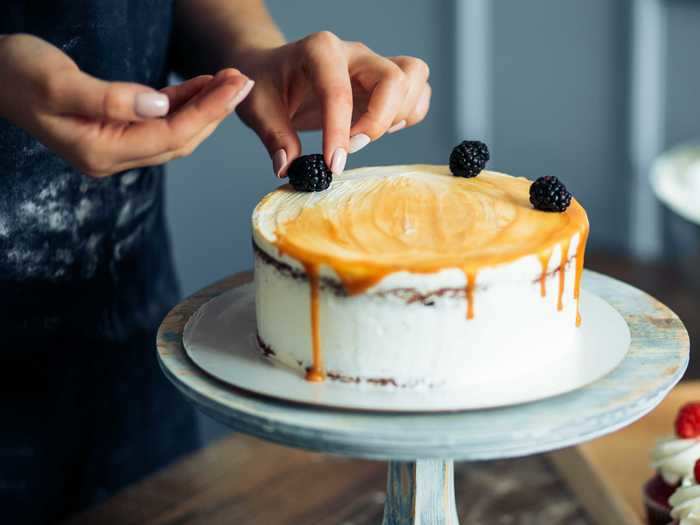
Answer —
420 493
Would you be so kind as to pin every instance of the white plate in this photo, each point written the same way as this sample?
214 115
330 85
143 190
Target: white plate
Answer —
220 339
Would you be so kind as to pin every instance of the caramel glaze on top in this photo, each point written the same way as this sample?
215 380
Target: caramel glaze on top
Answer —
376 221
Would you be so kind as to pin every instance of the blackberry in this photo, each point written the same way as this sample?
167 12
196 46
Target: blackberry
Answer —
549 194
469 158
310 173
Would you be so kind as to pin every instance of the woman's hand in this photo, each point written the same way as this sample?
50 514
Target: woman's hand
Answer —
344 88
107 127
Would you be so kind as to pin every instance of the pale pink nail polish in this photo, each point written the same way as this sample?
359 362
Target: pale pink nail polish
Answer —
359 141
149 105
397 127
241 95
279 161
338 161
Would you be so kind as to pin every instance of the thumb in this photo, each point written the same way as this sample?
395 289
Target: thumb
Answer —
81 94
268 117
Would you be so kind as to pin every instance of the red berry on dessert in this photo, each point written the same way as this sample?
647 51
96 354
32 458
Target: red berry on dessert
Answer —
688 421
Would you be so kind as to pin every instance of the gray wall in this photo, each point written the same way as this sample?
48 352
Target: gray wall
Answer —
559 107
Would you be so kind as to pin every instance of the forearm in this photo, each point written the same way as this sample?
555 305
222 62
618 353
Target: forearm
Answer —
213 34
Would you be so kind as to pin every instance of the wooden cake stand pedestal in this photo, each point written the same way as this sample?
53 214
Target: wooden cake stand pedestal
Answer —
421 447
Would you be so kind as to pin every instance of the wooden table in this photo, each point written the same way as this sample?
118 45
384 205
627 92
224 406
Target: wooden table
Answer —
245 481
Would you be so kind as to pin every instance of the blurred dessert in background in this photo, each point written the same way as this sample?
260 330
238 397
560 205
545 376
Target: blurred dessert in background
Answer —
674 458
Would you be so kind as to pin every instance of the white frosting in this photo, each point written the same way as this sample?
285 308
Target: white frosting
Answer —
371 336
685 503
675 458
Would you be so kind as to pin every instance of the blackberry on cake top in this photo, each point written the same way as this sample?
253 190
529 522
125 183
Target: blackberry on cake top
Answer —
469 158
310 173
549 194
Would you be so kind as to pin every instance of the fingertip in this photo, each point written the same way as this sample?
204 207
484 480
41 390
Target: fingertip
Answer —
291 150
422 107
334 142
279 163
338 161
424 101
240 94
359 141
151 104
396 127
227 73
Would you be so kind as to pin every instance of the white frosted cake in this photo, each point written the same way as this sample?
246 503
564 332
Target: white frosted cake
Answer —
409 277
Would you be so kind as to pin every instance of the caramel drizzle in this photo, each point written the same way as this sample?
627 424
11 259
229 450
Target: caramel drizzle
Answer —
562 274
471 282
315 373
580 254
358 276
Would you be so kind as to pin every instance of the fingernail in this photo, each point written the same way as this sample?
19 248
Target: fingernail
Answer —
149 105
358 142
242 94
338 161
279 161
396 127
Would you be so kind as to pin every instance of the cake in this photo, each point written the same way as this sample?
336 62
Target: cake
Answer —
410 277
674 458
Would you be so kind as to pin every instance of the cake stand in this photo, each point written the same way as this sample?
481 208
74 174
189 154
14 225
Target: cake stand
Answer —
421 447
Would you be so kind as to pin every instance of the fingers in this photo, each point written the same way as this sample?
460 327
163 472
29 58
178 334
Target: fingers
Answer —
417 100
181 93
216 101
173 134
265 113
167 156
79 94
327 70
398 94
117 146
387 87
421 108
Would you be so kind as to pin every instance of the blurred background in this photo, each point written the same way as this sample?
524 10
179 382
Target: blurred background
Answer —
591 92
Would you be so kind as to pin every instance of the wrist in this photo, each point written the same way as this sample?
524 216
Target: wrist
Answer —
246 58
250 46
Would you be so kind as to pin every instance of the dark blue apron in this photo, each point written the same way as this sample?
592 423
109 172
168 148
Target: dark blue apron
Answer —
85 278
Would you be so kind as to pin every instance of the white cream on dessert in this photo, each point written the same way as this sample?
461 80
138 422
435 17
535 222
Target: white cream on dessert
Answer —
685 503
674 458
441 239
